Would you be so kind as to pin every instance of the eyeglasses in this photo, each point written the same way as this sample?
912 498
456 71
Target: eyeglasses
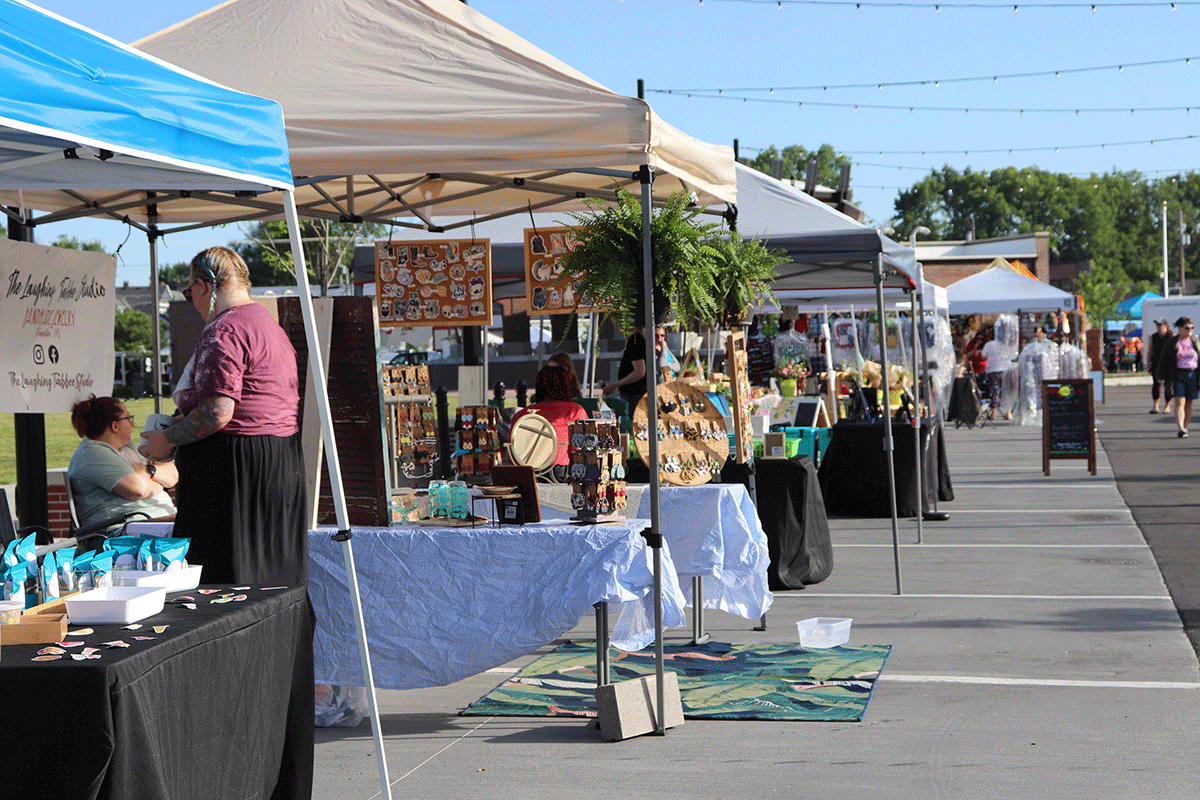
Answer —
127 416
187 293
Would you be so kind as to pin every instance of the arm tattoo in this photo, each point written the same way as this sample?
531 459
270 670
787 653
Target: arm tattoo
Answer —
210 416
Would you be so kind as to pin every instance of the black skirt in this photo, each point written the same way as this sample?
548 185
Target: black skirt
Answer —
241 500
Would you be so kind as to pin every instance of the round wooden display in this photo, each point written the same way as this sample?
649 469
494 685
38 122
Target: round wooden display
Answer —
683 461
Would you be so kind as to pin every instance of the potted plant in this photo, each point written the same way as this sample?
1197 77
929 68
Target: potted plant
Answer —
745 270
790 375
607 260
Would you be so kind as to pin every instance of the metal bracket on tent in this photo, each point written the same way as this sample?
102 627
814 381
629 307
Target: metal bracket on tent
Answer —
653 538
341 536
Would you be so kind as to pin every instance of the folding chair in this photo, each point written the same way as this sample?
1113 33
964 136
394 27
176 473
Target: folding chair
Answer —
9 530
533 443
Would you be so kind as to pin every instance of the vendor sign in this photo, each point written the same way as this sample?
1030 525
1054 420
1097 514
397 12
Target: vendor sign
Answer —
434 282
56 318
548 289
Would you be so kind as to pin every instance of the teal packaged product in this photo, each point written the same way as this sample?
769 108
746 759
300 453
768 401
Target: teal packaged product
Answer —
124 549
145 556
65 560
14 582
102 566
169 554
48 578
82 567
10 555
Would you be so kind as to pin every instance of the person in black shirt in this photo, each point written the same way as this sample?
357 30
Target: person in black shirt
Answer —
1160 388
631 375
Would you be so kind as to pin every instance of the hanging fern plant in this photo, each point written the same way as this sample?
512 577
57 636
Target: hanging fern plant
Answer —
607 260
745 270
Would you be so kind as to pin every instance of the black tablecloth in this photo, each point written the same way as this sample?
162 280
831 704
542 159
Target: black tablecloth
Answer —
792 513
219 705
853 473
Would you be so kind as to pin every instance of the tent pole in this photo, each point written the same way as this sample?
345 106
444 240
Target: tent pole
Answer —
156 326
317 370
888 448
589 363
832 384
916 420
654 538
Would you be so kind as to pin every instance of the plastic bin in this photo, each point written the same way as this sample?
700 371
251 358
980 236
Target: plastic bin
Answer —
823 632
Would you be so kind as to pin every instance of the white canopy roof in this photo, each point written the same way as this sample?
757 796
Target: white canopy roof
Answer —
996 291
770 207
393 107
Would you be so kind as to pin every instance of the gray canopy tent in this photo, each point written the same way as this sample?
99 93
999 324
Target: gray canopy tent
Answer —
853 259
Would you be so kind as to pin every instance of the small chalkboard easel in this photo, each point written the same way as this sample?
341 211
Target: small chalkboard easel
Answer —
1068 422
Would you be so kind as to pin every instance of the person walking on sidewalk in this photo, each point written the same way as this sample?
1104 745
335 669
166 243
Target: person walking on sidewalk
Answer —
1179 363
1161 389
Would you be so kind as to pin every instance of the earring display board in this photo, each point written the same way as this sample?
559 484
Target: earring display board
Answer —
434 282
693 442
597 470
406 390
548 289
737 360
478 439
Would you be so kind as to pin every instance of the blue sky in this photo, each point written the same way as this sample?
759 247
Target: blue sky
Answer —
994 69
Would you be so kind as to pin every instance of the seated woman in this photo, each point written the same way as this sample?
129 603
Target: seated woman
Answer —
108 477
552 399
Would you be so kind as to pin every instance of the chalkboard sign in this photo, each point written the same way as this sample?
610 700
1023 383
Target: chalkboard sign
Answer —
1068 422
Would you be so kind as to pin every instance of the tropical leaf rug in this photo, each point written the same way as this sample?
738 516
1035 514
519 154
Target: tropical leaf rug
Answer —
716 681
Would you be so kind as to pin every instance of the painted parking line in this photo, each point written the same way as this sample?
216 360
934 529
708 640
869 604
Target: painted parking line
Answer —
892 677
1005 545
906 596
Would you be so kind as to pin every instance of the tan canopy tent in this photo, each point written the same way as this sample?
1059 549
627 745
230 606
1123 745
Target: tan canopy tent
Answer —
397 109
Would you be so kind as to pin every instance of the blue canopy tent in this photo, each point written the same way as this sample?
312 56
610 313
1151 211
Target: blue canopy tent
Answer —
1131 307
80 112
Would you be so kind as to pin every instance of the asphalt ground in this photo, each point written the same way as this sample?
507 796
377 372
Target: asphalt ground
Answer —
1158 475
1037 653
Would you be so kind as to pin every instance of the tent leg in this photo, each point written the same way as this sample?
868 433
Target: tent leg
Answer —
916 424
888 447
646 174
317 372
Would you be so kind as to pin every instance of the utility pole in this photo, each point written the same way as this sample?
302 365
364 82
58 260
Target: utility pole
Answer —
1185 239
1164 249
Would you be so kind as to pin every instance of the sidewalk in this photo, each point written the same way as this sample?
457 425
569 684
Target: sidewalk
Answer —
1036 653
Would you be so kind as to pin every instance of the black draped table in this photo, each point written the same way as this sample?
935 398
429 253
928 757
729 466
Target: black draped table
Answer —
792 511
853 472
218 705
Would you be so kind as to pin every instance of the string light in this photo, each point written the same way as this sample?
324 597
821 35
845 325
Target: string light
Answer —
912 109
1187 60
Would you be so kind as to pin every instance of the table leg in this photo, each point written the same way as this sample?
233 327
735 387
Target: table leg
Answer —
698 634
602 643
762 623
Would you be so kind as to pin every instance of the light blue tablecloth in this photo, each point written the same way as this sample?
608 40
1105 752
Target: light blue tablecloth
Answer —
442 604
713 532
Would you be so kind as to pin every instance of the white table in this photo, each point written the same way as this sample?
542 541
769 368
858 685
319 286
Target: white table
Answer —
441 604
713 532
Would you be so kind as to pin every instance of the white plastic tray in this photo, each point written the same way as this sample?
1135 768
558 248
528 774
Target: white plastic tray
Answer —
180 580
822 632
116 605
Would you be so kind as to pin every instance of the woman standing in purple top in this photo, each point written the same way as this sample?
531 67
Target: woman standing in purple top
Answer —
241 491
1179 365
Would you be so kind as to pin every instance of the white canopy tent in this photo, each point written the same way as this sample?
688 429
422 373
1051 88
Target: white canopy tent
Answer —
998 290
82 113
397 109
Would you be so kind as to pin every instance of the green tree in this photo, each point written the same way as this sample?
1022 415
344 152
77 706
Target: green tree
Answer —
795 160
1114 219
1103 286
328 250
132 333
71 243
176 275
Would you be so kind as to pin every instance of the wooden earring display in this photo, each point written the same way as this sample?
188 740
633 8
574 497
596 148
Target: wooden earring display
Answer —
406 390
597 471
692 439
478 440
